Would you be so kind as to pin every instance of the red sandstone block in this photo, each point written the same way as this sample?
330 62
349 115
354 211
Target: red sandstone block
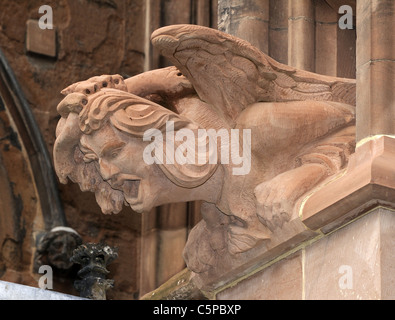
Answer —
41 41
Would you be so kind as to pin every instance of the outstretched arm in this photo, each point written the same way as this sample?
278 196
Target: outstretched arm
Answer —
163 86
167 82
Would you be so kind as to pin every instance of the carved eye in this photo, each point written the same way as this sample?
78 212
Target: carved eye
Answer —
116 81
115 153
104 84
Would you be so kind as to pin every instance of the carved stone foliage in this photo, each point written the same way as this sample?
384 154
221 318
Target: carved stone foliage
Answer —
280 132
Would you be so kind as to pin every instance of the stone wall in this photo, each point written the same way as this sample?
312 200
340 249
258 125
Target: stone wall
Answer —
89 38
304 34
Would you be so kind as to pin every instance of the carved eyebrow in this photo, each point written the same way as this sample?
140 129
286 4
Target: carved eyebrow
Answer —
85 149
111 146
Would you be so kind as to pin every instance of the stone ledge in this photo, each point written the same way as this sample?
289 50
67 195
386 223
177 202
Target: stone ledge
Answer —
354 262
313 270
14 291
282 243
179 287
368 182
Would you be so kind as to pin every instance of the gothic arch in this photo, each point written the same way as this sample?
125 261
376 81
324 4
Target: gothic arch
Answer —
29 197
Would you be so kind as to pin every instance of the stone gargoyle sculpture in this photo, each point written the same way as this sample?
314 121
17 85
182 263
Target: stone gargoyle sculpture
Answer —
227 125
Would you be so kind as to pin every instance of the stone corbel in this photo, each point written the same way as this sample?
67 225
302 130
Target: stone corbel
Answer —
369 182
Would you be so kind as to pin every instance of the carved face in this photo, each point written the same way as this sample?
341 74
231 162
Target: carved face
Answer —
106 131
118 157
60 250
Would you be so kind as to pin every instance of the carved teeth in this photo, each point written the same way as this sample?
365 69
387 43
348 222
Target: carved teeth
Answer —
131 188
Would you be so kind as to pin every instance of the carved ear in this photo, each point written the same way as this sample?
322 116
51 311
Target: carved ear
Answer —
68 133
68 163
188 175
65 144
185 170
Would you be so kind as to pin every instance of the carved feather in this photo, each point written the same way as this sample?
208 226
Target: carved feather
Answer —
230 74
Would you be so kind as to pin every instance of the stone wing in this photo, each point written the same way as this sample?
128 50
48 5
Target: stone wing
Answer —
230 73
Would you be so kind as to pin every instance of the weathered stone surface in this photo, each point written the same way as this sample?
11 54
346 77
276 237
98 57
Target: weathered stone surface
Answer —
248 20
353 262
326 37
19 202
14 291
375 68
148 262
278 30
336 4
376 99
387 242
97 51
301 44
369 181
241 211
179 287
346 47
92 38
171 245
281 281
41 41
375 23
94 259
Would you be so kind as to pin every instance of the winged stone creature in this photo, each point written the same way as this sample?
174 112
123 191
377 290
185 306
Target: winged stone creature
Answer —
301 125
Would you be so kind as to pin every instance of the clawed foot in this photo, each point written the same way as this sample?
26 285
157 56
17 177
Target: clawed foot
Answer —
242 239
276 198
275 202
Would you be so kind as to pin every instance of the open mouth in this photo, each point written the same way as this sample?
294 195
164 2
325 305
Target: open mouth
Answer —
130 188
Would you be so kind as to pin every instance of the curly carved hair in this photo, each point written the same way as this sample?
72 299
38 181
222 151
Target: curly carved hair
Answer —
83 114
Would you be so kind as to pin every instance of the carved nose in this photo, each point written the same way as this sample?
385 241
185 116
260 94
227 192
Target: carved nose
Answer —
107 170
